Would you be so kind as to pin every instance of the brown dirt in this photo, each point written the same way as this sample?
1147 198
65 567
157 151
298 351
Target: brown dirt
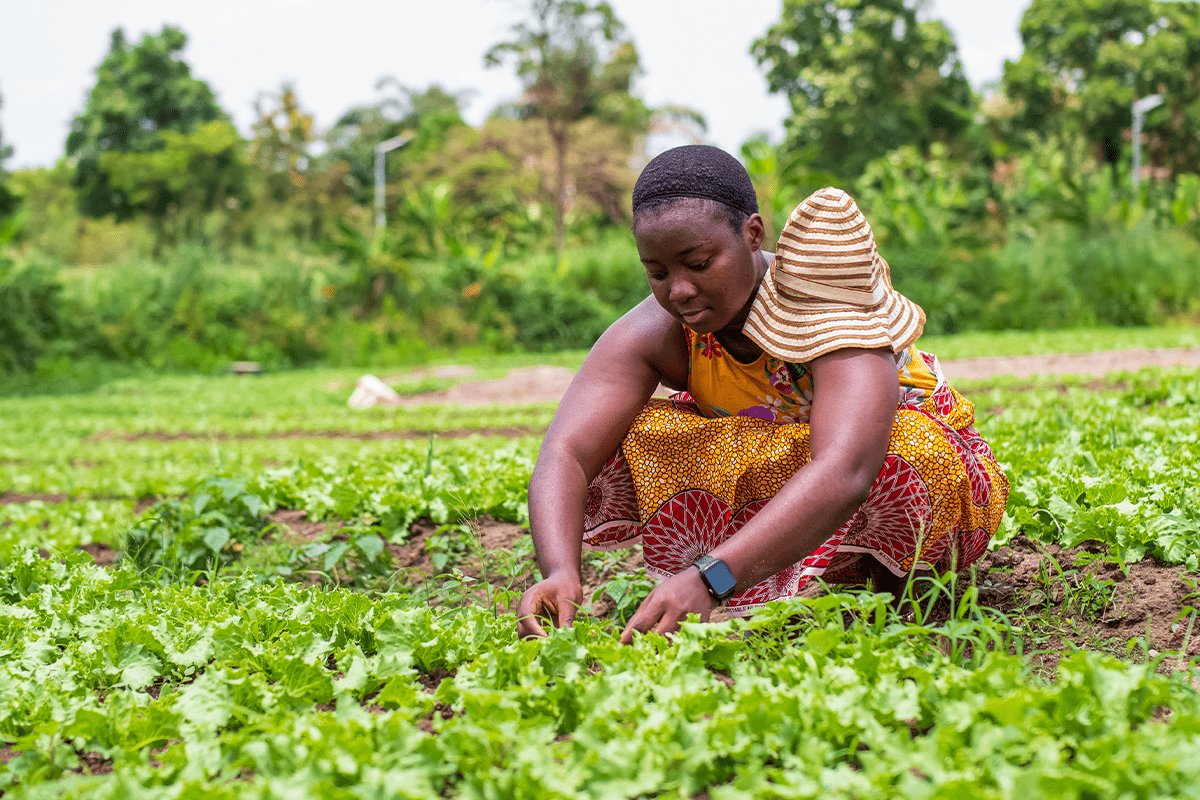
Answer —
495 536
18 498
93 763
1070 363
296 525
511 432
527 386
1090 599
101 553
547 384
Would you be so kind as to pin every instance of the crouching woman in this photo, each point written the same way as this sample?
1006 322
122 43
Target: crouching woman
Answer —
809 436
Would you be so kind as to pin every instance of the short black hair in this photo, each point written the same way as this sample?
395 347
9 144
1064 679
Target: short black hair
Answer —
734 216
696 171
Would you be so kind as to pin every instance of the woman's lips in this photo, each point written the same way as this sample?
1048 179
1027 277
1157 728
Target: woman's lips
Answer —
690 316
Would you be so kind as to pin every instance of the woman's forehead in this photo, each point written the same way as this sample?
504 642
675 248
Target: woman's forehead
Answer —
678 234
681 215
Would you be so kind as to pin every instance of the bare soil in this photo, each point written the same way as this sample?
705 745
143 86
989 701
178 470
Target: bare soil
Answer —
548 384
101 553
1070 363
17 498
54 498
453 433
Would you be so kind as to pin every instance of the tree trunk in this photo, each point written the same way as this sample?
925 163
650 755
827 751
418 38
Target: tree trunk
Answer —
558 135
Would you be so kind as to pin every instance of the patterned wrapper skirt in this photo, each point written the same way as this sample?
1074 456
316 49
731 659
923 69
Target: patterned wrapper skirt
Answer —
682 483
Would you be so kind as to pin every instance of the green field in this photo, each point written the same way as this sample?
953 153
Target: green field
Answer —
233 652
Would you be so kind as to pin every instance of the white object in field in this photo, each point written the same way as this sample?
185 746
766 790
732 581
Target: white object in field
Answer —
371 391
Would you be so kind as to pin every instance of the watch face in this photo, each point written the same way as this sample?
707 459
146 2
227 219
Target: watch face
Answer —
720 579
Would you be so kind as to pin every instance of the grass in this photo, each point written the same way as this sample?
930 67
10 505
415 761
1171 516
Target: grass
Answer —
130 435
1078 340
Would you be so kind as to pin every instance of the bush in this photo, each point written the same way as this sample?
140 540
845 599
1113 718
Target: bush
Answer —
32 318
1065 277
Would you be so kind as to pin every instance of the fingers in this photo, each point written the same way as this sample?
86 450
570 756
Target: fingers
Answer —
567 611
529 628
645 618
531 612
667 606
545 605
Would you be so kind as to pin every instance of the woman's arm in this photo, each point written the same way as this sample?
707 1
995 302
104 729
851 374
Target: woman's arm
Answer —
854 405
620 374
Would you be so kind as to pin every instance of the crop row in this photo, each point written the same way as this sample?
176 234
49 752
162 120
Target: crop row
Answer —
1119 466
236 689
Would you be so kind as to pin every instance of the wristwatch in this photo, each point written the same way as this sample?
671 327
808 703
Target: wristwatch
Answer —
717 577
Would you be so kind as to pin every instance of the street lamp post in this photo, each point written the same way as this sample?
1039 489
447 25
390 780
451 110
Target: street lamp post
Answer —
381 149
1140 107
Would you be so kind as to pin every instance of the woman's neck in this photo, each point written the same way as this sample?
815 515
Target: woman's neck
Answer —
735 342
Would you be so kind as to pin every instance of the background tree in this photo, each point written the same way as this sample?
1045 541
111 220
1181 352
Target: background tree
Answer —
8 200
190 175
297 185
864 77
283 132
429 114
574 62
140 91
1086 61
6 151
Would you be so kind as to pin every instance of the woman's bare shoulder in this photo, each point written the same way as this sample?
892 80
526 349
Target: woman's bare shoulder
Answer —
645 337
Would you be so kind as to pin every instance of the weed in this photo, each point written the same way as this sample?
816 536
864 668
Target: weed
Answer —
626 592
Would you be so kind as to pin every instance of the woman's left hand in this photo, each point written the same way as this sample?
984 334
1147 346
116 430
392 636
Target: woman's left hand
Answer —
670 603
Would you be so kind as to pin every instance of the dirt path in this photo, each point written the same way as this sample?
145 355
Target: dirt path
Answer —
548 384
1070 363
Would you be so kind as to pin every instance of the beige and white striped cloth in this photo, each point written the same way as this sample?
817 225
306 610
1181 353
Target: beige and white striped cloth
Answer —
829 289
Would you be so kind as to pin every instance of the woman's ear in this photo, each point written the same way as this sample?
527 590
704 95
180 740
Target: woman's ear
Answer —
753 232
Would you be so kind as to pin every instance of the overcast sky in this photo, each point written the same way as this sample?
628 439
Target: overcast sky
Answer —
694 52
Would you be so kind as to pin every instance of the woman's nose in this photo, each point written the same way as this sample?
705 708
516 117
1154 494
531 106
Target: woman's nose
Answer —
682 290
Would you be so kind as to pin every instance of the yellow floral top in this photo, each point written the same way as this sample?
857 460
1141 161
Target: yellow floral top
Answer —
775 390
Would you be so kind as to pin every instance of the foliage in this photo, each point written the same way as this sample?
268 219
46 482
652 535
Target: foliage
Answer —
626 593
864 78
203 533
1086 61
32 315
1117 469
178 185
296 193
495 183
141 91
574 63
6 152
55 229
429 114
8 200
242 690
781 179
197 668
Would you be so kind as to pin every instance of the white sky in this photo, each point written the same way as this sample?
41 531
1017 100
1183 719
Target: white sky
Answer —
694 52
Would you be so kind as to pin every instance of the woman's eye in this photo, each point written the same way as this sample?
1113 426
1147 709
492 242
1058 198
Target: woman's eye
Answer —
700 266
656 276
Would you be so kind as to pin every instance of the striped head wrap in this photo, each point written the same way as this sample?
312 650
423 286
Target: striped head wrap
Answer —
829 289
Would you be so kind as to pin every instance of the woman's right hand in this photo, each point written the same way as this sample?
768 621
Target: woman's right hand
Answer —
556 598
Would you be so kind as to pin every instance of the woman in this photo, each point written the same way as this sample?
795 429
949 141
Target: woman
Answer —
812 438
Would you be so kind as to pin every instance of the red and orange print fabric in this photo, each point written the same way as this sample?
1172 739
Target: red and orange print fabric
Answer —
693 469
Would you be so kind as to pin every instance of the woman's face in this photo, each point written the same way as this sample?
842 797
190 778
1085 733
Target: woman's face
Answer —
699 270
